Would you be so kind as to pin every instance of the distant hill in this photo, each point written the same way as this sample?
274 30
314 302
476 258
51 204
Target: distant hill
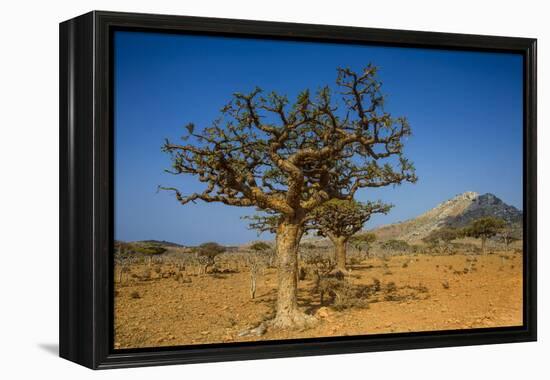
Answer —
455 212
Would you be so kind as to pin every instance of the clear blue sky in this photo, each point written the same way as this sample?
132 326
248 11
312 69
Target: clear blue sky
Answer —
465 111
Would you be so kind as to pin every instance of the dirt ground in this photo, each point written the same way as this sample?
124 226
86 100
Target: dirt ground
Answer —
428 293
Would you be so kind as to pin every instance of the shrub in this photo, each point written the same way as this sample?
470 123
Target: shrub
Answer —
206 253
210 249
135 295
260 246
340 293
396 245
149 249
376 285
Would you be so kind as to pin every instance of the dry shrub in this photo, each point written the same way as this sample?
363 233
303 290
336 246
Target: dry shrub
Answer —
376 284
135 295
181 277
339 292
146 275
302 274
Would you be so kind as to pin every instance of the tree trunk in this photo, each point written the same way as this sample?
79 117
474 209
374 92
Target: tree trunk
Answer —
483 241
252 284
340 245
287 313
340 252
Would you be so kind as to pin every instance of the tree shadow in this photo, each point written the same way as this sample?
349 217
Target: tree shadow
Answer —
363 266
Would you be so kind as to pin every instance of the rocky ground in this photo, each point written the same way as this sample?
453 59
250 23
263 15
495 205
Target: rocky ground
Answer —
408 293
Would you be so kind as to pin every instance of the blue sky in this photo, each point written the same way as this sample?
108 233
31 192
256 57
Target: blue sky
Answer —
465 111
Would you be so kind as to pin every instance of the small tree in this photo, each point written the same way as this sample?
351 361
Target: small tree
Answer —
148 250
340 220
261 256
257 261
484 228
363 242
266 250
121 256
395 245
442 236
206 253
509 235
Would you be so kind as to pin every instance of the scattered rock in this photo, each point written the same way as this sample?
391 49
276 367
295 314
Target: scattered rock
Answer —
323 312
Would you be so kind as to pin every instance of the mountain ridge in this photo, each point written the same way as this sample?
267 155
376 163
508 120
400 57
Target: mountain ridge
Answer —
455 212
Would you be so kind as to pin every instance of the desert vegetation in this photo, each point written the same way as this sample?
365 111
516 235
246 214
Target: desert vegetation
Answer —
300 165
171 300
174 295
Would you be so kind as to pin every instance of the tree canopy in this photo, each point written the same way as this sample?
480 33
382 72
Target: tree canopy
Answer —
344 219
484 227
444 234
210 249
363 241
266 153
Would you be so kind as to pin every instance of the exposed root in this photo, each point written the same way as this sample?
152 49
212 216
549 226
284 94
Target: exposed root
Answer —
296 321
293 321
260 330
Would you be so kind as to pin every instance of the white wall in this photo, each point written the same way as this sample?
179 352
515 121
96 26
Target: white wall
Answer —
29 185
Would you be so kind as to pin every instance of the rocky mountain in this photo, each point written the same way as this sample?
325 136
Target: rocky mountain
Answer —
455 212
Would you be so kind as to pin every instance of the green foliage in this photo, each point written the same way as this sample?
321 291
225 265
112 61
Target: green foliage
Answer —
260 246
363 241
484 227
396 245
126 250
210 249
149 249
343 218
445 234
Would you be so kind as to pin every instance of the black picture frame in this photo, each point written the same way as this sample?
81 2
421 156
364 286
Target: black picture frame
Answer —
86 190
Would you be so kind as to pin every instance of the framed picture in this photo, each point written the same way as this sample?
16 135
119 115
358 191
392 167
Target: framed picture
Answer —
237 189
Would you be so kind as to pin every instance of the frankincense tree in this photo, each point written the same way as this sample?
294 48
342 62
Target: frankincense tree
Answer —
339 220
267 153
